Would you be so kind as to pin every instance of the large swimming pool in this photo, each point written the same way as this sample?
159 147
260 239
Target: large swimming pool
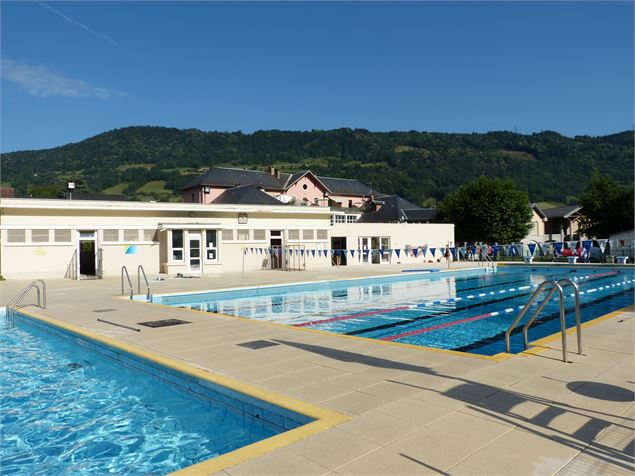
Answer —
466 311
73 406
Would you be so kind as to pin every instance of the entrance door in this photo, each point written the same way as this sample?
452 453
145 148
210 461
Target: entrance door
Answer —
364 246
87 254
194 256
275 243
338 244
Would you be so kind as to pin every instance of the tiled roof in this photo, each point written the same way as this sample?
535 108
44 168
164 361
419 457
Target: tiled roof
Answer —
246 195
341 186
561 212
396 209
227 177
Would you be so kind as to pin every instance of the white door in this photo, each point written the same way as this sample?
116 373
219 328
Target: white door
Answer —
364 246
385 249
194 256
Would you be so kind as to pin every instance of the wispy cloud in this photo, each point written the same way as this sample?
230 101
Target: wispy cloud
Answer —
87 28
81 25
40 82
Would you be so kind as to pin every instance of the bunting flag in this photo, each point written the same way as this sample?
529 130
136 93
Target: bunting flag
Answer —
545 248
313 253
474 249
512 250
442 251
557 248
352 253
425 251
432 251
506 249
463 251
496 249
532 248
602 244
621 242
586 244
453 251
398 252
572 244
415 251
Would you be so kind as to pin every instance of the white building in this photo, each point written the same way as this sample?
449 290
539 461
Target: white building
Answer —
78 238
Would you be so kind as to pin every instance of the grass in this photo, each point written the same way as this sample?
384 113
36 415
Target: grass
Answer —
181 170
121 168
548 205
514 154
157 186
115 189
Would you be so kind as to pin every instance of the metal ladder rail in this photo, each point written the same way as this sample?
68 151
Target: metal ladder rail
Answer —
141 271
563 326
544 285
124 271
16 301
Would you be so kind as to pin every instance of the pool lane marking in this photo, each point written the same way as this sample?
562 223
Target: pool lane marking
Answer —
450 324
432 303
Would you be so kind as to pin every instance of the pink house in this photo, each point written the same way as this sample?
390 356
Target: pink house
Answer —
302 188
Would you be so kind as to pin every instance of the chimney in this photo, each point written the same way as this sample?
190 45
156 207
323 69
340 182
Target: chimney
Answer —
274 171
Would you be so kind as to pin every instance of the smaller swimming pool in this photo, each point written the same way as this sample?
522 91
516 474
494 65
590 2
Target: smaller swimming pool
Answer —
72 405
467 311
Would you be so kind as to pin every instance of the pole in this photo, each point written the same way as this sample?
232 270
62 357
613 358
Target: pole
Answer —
242 276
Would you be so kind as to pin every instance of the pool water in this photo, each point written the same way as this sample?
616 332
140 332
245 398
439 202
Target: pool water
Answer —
465 311
66 409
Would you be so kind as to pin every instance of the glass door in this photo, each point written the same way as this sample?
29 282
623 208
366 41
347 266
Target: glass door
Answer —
385 249
194 257
374 245
364 247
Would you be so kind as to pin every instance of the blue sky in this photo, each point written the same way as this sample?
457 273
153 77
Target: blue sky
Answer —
71 70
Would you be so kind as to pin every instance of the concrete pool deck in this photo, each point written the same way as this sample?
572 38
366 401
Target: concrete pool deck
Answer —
414 411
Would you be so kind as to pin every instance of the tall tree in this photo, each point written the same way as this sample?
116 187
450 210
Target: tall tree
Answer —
607 207
487 209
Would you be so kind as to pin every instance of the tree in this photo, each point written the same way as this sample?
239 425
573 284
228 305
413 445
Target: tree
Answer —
486 209
607 207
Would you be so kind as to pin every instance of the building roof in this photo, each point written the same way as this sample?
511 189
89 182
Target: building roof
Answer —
99 196
230 177
561 212
246 195
397 209
340 186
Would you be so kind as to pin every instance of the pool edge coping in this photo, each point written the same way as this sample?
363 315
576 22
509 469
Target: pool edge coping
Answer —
324 418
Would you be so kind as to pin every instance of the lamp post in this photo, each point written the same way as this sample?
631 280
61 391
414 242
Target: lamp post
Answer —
70 186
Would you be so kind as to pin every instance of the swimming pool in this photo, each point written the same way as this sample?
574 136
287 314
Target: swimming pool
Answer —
71 405
466 311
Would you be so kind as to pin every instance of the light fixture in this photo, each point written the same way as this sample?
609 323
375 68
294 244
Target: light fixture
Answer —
70 186
206 190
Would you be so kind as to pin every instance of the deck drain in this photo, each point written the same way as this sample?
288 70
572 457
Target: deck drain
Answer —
104 310
257 344
163 323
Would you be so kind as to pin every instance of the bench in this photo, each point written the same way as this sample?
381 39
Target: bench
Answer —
572 259
529 259
621 259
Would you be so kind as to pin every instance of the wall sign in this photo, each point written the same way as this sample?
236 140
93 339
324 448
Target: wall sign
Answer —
242 218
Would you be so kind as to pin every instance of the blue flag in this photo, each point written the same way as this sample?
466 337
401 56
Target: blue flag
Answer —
398 252
532 248
432 251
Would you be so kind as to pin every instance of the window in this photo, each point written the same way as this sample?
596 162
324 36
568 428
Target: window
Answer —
16 236
39 236
211 245
308 234
351 218
61 236
131 235
150 235
260 235
243 235
322 235
294 234
228 235
305 186
350 204
111 235
338 219
177 245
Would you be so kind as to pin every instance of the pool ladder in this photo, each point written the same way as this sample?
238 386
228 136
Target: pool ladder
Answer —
554 287
140 272
40 286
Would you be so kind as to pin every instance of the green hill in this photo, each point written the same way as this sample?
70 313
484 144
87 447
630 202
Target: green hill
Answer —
155 162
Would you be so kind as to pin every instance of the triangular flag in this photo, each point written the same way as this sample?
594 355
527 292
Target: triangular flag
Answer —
352 253
415 251
313 253
432 250
425 251
397 252
442 251
532 248
602 244
453 251
586 244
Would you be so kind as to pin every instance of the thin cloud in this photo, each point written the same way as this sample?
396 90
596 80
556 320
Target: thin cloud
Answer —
40 82
81 25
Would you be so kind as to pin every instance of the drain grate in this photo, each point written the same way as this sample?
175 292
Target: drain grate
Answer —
104 310
163 323
257 344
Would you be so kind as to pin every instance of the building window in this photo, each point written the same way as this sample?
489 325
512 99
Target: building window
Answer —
150 235
260 235
305 186
294 234
111 235
16 236
228 235
62 236
338 219
351 218
350 204
193 197
131 235
322 235
308 235
243 235
211 245
39 236
177 245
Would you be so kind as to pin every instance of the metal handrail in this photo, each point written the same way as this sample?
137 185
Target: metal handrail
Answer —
578 322
124 270
16 301
141 271
100 263
71 270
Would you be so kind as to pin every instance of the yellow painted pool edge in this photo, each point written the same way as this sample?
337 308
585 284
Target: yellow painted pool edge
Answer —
496 358
323 418
540 345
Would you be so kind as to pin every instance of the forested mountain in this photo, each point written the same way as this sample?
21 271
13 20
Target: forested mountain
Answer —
154 162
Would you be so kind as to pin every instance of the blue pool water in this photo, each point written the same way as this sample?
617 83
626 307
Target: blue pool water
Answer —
466 311
67 409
